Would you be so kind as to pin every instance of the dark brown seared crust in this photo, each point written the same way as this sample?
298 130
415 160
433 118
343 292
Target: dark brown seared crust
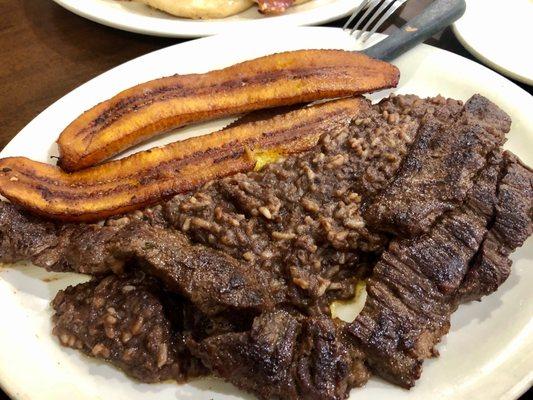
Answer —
281 357
417 283
510 226
153 107
408 304
22 235
261 360
213 281
328 364
122 320
82 248
56 247
440 168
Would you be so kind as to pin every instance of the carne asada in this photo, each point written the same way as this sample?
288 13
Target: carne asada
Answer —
236 279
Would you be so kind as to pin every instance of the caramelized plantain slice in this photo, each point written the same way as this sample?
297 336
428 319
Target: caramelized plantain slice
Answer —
150 108
150 176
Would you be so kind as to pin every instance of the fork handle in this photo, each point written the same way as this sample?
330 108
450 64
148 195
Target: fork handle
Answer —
435 17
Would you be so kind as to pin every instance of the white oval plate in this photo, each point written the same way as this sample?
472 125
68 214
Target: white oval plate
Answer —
487 354
499 33
136 17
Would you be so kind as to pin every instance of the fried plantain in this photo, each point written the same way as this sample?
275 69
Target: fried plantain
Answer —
150 108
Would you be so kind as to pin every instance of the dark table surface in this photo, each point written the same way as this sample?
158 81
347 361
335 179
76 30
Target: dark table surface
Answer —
48 51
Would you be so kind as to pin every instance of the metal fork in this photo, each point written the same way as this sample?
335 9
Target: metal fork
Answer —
434 18
387 8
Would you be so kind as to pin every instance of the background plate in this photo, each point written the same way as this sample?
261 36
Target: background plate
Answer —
487 354
499 33
137 17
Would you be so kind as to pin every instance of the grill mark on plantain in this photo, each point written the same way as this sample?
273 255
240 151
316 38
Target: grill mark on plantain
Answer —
124 106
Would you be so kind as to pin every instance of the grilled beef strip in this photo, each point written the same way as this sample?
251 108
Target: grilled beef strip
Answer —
283 356
418 282
509 228
22 235
260 360
56 247
439 170
212 280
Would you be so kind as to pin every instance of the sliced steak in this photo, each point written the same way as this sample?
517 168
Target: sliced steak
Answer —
22 235
82 248
281 357
328 365
261 360
419 281
213 281
56 247
440 168
410 293
510 227
122 320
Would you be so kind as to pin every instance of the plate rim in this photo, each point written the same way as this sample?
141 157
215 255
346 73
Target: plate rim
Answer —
514 391
199 32
493 65
471 48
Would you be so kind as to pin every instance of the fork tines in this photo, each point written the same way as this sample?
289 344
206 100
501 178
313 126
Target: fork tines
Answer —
373 10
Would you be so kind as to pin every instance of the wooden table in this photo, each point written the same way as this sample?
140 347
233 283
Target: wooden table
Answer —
48 51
